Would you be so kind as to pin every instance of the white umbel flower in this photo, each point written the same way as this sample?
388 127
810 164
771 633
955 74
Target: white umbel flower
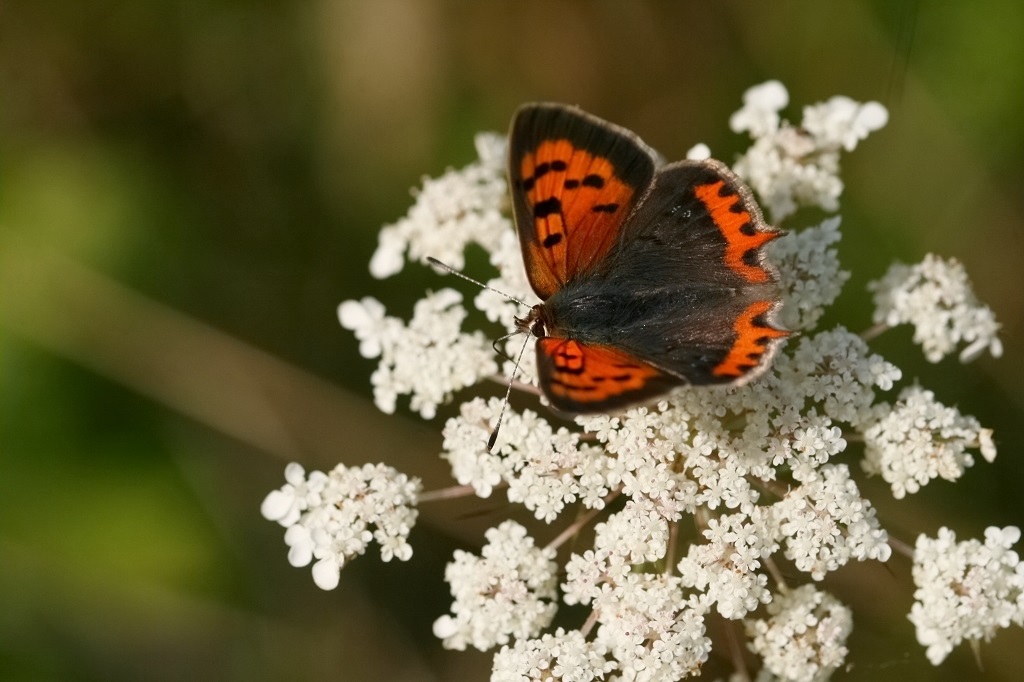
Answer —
752 467
791 166
919 439
843 122
760 112
459 208
836 370
726 568
542 468
428 359
936 297
804 636
507 592
825 523
966 590
651 629
561 657
334 517
810 278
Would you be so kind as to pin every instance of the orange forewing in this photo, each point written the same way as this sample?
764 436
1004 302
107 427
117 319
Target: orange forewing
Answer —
579 377
578 204
743 239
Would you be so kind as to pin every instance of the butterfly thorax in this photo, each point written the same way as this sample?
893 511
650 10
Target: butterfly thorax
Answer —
585 314
594 310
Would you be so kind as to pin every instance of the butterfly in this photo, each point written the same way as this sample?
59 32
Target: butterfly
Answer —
652 276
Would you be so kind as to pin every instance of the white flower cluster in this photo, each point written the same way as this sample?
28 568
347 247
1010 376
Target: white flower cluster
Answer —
632 536
825 523
509 591
428 359
542 469
645 632
334 517
919 439
936 297
791 166
693 501
810 278
450 212
804 635
566 656
965 590
650 629
726 568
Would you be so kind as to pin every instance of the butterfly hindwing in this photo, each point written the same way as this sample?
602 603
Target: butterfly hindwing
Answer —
574 180
730 206
701 224
581 378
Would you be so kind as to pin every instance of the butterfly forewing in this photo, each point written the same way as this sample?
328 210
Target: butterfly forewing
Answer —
574 181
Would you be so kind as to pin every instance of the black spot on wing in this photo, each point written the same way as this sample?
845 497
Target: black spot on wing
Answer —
585 389
542 209
750 258
605 208
552 239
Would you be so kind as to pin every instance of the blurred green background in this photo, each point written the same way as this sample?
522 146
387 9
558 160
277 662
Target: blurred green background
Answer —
188 189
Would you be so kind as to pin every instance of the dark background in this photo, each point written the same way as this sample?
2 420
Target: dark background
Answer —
188 189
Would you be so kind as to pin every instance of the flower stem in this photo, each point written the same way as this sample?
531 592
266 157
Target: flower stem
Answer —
901 547
579 523
670 551
874 331
453 492
776 573
736 651
589 625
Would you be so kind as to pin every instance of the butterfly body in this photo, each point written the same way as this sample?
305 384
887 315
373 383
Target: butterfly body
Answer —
651 277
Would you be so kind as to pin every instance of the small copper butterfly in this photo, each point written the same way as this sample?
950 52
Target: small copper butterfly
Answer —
652 276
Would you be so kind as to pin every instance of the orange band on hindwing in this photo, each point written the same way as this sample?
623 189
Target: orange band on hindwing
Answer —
753 335
593 374
743 238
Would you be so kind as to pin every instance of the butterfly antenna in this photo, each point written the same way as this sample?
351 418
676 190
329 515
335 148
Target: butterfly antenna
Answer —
508 392
498 351
433 261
